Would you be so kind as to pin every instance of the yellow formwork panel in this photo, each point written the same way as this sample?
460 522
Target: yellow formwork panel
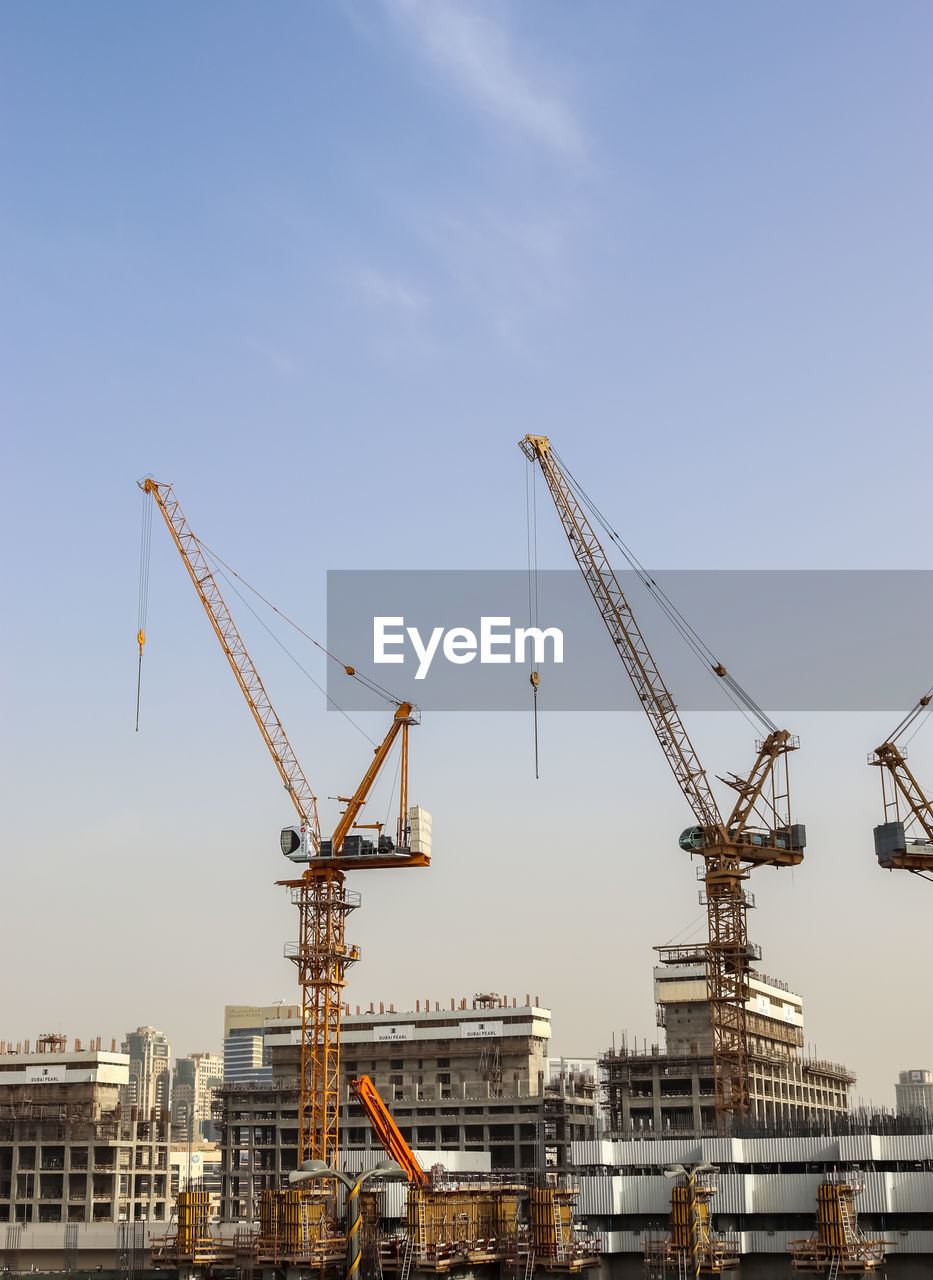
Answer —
551 1220
680 1217
829 1214
460 1215
194 1209
506 1215
291 1221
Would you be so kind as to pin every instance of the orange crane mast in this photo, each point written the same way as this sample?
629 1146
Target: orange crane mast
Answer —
321 954
905 839
757 832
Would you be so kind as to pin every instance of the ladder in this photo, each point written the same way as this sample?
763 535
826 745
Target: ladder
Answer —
848 1234
407 1258
560 1252
530 1263
834 1267
422 1231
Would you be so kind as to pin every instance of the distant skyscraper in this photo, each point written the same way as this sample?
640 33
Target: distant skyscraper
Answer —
914 1093
196 1078
245 1061
150 1069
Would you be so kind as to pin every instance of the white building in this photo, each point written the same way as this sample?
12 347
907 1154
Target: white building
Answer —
914 1093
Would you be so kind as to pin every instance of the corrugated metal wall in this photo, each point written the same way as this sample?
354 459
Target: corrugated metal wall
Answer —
634 1184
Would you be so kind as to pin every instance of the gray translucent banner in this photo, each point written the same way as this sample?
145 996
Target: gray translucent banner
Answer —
820 640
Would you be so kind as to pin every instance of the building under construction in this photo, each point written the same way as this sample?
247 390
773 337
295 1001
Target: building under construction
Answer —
456 1213
69 1151
469 1077
670 1088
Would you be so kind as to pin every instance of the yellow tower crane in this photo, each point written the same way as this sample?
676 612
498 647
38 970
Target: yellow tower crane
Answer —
321 954
758 831
905 839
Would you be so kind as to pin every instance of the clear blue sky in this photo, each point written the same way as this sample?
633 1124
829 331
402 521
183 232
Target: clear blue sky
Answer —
320 266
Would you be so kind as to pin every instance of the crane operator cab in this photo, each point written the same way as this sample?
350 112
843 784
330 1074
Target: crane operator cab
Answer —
794 837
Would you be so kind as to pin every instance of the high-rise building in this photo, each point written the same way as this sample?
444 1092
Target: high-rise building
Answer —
195 1080
914 1093
246 1058
671 1089
150 1079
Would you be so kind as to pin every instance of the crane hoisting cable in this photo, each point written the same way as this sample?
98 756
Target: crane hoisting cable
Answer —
145 542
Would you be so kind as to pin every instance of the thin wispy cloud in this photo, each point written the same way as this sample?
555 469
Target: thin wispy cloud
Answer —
389 291
475 56
278 359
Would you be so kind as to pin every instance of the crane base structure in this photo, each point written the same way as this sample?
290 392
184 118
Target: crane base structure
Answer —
692 1248
453 1224
837 1246
460 1222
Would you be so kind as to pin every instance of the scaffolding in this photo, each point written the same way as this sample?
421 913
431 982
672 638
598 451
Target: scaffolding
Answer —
692 1247
837 1246
488 1221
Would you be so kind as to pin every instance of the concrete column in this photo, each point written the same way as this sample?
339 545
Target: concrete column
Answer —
695 1091
656 1097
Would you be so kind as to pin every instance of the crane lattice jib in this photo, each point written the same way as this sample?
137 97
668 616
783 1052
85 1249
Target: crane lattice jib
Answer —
626 636
890 758
247 677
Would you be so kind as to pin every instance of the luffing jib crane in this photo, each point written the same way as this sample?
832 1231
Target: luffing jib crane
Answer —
758 830
322 953
905 839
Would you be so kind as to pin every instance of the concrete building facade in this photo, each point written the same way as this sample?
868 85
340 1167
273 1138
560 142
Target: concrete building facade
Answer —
471 1078
69 1151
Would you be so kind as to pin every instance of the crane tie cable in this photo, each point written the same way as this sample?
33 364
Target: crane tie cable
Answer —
734 691
332 701
367 681
922 709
